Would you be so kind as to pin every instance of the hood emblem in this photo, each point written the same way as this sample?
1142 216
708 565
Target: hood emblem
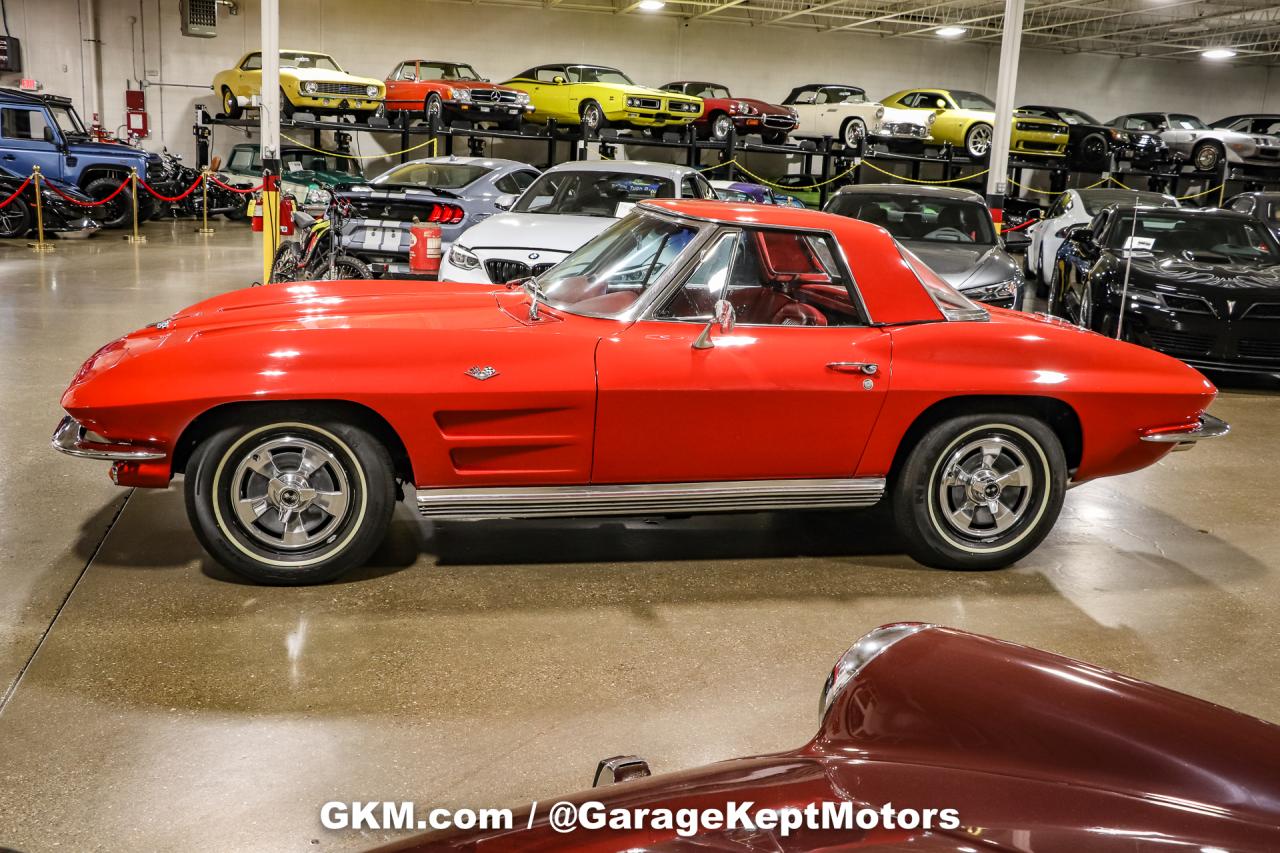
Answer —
481 373
1231 306
533 256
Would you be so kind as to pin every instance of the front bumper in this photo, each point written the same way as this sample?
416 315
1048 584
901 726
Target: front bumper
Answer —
1184 437
650 117
73 439
770 123
1239 344
352 103
497 111
1038 143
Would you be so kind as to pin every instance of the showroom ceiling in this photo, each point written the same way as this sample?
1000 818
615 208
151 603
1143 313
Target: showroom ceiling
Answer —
1170 29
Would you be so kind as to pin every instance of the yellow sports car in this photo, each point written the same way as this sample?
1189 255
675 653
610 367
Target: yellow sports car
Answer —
309 82
965 119
599 97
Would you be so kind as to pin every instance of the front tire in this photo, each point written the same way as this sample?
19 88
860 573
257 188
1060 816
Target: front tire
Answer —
433 109
1206 157
980 491
977 142
118 212
293 499
16 219
720 126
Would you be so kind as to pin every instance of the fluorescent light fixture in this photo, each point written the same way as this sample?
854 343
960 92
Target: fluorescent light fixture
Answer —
950 32
1218 53
650 5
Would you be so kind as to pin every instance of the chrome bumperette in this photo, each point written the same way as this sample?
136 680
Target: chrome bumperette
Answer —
861 653
475 503
1205 428
73 439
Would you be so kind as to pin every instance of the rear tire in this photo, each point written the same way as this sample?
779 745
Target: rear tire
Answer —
853 131
980 491
290 499
593 120
230 106
1094 153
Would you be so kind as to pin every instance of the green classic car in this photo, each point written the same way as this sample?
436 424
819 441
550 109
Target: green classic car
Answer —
304 174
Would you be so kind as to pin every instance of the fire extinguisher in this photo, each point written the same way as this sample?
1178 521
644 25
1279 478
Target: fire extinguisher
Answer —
424 247
285 222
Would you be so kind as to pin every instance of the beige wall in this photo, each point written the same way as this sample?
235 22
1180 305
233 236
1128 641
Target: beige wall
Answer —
141 38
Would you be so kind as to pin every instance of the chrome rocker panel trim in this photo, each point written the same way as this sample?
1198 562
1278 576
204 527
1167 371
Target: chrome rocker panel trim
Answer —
475 503
1207 427
73 439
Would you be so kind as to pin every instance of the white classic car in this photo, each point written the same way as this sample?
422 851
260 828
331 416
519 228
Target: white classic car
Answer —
565 208
845 113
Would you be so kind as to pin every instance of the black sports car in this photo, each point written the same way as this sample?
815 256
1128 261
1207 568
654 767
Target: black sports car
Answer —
1201 285
18 217
1090 142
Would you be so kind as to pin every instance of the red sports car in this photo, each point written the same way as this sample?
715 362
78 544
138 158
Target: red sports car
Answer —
722 111
933 739
691 358
453 90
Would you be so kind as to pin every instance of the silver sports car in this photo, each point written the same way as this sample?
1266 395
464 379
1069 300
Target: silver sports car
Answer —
452 192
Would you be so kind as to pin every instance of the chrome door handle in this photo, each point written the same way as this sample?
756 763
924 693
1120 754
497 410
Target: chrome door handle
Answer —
867 367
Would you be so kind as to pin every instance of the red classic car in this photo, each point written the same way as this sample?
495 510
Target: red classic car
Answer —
453 90
722 111
616 383
959 743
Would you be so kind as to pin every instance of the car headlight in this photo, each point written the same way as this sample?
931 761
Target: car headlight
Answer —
463 258
861 653
999 290
1139 297
879 113
460 94
931 118
744 107
1117 136
522 98
310 87
316 196
1241 147
371 91
794 112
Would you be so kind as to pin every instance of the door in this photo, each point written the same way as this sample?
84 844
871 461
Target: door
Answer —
29 139
809 114
791 392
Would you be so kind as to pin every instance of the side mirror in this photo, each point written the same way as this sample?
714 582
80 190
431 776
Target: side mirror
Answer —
1035 213
1079 233
558 80
722 316
940 104
505 201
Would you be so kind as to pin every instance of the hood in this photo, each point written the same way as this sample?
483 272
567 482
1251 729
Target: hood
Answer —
761 106
1202 272
472 84
110 151
536 231
964 265
322 75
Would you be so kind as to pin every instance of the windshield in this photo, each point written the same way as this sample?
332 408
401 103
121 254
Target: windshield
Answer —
1076 117
1179 121
302 159
972 101
446 71
1195 238
591 193
596 74
1094 202
308 60
706 90
67 120
439 176
935 220
608 274
842 95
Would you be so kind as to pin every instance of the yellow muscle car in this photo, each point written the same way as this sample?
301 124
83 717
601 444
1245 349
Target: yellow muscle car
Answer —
309 82
599 97
966 119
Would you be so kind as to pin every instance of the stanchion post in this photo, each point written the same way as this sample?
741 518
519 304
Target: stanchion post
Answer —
204 207
40 245
135 237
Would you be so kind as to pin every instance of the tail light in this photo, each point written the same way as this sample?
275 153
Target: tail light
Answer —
446 214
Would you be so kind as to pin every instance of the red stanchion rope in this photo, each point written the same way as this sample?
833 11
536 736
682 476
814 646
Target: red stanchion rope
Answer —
188 191
1020 227
15 194
214 180
97 203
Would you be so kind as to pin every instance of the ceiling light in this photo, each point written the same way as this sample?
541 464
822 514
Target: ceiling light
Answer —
1218 53
950 32
650 5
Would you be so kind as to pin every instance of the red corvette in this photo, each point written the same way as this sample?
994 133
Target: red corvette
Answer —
961 744
453 90
697 356
722 111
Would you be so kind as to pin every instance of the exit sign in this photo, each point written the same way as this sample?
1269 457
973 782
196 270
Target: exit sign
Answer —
29 85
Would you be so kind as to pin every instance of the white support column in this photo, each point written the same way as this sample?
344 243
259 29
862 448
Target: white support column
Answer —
1006 83
269 130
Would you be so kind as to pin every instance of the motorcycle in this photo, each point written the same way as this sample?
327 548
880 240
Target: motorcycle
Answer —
317 256
232 205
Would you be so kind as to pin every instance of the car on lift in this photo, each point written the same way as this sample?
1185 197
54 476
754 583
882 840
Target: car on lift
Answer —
1071 208
620 383
566 207
444 91
722 111
1262 206
1205 148
1200 285
310 82
908 755
846 114
1091 144
1267 124
950 229
61 216
306 174
46 131
965 120
452 192
596 97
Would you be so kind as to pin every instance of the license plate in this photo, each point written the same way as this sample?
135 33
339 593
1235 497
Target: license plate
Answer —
484 109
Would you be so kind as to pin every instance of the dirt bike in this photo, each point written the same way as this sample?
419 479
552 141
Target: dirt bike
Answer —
317 256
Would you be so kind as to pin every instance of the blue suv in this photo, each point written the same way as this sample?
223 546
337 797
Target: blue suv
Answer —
45 131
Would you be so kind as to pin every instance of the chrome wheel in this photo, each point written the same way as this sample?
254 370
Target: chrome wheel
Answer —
290 493
978 142
433 109
854 131
1206 157
592 117
984 488
721 126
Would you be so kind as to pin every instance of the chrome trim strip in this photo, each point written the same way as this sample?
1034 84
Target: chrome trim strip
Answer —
72 439
1207 427
474 503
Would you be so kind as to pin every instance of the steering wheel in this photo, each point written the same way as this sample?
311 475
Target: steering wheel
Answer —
947 232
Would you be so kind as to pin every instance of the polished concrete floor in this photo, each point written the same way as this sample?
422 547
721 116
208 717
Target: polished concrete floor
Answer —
152 701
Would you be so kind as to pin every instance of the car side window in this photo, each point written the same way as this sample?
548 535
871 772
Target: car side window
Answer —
22 123
1244 205
1056 209
515 183
241 160
409 71
1067 202
695 186
252 62
549 74
771 278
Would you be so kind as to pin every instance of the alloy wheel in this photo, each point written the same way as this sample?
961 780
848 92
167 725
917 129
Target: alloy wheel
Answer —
979 141
290 493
